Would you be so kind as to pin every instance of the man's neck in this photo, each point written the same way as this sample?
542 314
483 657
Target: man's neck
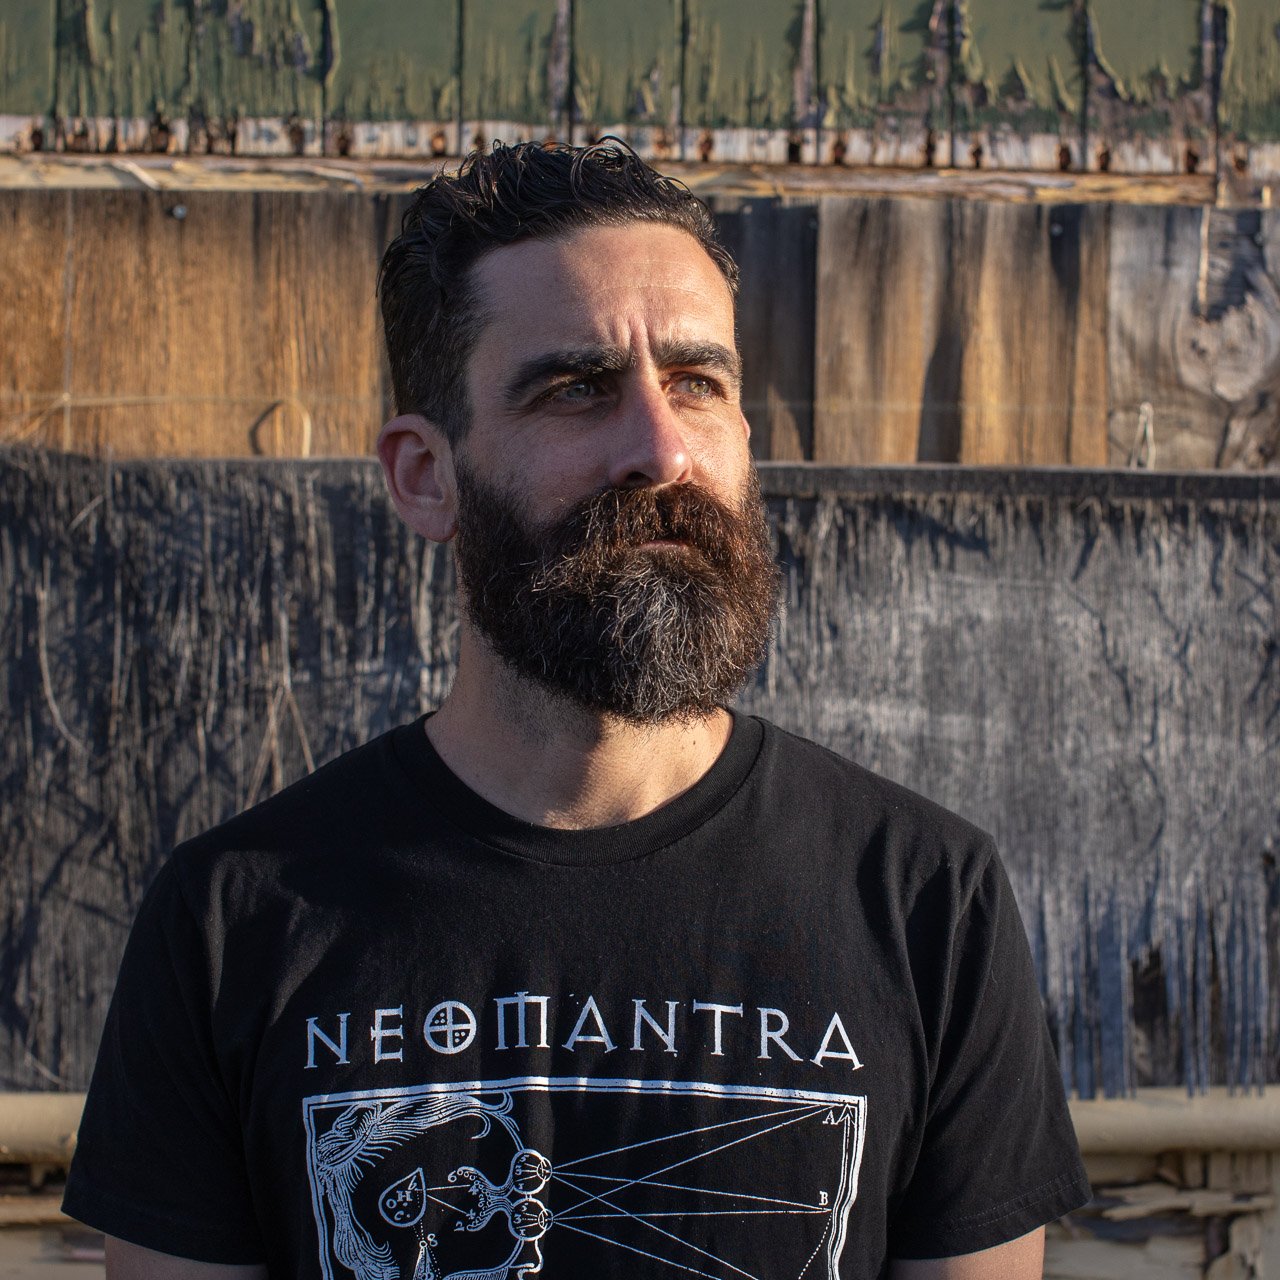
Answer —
544 759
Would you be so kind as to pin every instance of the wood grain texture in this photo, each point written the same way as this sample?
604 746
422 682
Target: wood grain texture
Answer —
961 331
33 319
896 330
245 327
775 244
882 353
1033 373
1194 333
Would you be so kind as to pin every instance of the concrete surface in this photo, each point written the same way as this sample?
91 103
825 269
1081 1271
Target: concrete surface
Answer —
50 1253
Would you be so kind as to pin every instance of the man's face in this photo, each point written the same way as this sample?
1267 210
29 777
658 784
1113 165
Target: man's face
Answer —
611 541
607 360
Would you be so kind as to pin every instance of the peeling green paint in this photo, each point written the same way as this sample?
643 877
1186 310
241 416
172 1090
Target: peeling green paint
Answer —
1251 76
626 61
26 58
1109 69
1023 55
394 60
873 56
1151 48
739 61
516 61
265 59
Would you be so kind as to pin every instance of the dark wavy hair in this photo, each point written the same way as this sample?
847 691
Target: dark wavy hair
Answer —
431 314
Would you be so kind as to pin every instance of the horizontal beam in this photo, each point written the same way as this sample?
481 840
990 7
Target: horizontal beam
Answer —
1155 1120
809 479
40 1128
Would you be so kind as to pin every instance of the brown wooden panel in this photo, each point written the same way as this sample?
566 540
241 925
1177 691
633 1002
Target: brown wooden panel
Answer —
885 369
325 317
244 326
775 245
1194 334
1032 387
967 331
33 319
166 311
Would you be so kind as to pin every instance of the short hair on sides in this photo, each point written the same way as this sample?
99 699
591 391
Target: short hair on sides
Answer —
431 314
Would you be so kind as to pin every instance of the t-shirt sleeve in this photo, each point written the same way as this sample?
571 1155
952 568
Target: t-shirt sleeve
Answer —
159 1160
998 1156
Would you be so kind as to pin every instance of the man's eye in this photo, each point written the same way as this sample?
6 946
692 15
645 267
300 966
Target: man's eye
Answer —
694 385
580 390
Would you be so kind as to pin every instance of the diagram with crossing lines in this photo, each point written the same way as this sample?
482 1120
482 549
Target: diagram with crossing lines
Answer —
507 1179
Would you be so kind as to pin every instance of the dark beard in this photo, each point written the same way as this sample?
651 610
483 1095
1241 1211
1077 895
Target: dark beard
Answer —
648 636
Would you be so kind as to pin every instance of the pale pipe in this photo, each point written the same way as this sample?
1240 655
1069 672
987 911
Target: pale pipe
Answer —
40 1128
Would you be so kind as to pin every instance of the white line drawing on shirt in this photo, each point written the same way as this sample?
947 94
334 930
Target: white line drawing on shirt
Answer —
640 1200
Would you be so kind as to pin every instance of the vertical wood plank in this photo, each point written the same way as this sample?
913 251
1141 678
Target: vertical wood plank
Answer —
775 245
160 332
1194 335
886 369
33 321
1033 373
324 317
256 337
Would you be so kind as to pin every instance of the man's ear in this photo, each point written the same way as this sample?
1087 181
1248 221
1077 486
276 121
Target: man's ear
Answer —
417 461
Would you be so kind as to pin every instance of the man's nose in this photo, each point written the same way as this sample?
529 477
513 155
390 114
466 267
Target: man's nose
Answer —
651 445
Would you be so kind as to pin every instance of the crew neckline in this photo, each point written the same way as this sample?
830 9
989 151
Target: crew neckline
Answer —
440 788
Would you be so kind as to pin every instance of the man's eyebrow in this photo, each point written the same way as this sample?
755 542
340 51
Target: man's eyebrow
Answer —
592 361
580 362
699 355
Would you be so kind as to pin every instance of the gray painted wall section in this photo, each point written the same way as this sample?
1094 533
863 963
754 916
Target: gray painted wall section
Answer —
1086 663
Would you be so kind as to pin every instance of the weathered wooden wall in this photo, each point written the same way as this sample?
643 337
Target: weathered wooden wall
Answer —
1150 86
874 330
247 325
1081 662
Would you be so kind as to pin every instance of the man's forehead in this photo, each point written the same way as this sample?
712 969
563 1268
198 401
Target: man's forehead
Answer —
587 284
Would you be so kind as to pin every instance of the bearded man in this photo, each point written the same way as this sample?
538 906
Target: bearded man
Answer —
582 975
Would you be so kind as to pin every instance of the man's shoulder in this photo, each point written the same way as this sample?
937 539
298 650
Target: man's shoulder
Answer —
832 793
352 798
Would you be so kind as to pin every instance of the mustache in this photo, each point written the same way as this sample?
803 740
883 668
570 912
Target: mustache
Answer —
607 524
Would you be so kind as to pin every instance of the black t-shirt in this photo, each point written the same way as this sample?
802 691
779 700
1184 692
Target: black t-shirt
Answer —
785 1026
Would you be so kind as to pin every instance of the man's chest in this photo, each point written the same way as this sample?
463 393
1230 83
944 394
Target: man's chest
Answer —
584 1078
